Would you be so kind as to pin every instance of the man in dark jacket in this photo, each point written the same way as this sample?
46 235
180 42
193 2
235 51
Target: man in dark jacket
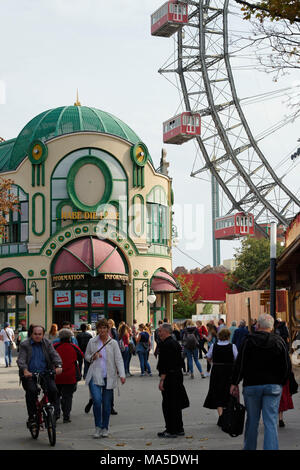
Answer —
171 385
82 339
37 354
239 335
264 365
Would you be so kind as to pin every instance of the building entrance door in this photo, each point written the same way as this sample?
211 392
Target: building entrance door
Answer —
59 316
117 315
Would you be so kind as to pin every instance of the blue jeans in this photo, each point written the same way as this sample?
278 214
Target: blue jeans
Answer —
192 354
7 353
126 359
263 399
143 357
102 399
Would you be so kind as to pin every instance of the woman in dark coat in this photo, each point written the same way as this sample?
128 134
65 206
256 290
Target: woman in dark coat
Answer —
222 354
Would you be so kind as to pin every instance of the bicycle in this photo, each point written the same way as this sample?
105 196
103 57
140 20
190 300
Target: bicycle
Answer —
45 417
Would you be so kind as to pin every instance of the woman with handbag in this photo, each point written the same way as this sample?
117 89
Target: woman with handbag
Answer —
143 345
7 335
66 382
222 354
106 361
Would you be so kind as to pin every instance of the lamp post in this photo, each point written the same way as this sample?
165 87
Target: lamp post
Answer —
273 239
29 298
151 297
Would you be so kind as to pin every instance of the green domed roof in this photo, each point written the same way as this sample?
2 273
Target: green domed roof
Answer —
66 120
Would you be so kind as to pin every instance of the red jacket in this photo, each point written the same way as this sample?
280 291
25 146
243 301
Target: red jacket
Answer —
202 331
70 354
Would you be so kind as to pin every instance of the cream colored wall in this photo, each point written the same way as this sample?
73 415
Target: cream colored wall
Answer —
57 149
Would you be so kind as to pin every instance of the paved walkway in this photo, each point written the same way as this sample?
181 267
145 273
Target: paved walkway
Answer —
137 423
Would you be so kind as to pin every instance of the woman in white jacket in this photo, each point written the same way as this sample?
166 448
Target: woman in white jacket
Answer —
106 360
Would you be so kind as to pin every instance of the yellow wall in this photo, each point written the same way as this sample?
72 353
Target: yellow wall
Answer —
37 260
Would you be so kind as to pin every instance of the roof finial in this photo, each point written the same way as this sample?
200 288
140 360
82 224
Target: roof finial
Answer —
77 100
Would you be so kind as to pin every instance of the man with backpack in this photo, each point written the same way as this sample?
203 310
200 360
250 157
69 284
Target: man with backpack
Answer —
191 341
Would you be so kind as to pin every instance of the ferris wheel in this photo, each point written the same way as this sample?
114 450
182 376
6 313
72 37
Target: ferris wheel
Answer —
243 181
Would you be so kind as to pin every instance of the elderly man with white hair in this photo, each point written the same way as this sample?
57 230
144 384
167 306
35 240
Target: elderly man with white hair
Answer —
264 365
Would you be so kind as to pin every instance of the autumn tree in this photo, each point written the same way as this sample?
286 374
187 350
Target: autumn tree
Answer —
185 301
276 23
8 202
274 10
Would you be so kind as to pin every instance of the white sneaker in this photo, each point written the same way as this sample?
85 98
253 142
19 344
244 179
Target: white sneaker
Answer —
98 433
104 432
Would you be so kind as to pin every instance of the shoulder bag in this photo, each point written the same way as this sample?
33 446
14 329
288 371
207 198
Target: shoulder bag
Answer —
293 385
11 342
233 417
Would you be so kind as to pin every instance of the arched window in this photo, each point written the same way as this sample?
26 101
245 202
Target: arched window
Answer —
16 229
157 216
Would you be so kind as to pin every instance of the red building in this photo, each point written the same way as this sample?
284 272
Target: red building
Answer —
210 286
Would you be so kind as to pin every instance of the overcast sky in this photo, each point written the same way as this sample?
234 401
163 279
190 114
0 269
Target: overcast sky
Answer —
49 48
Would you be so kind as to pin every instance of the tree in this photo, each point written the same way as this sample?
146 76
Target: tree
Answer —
252 258
186 301
276 24
272 9
8 202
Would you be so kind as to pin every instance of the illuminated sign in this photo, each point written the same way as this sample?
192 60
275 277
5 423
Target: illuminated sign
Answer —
80 215
68 277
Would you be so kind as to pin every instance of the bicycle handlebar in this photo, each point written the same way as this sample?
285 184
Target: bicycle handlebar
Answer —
44 373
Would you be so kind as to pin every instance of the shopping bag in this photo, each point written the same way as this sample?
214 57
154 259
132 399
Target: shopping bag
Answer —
233 417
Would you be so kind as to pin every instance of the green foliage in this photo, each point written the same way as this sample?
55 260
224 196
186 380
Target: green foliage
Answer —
185 306
207 309
253 258
273 10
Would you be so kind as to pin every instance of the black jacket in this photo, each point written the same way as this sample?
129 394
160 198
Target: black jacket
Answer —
169 356
262 359
82 339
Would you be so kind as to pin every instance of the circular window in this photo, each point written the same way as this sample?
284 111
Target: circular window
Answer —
89 183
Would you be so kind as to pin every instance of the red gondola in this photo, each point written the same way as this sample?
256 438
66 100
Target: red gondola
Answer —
234 226
169 18
181 128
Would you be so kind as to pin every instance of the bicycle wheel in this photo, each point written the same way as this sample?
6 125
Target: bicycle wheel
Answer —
34 428
50 423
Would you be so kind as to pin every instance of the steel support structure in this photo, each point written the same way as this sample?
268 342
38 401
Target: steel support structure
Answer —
227 147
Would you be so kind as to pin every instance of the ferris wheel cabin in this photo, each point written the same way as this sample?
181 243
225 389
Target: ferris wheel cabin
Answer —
234 226
181 128
169 18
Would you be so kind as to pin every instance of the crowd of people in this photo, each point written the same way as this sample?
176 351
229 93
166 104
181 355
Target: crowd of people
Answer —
258 355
